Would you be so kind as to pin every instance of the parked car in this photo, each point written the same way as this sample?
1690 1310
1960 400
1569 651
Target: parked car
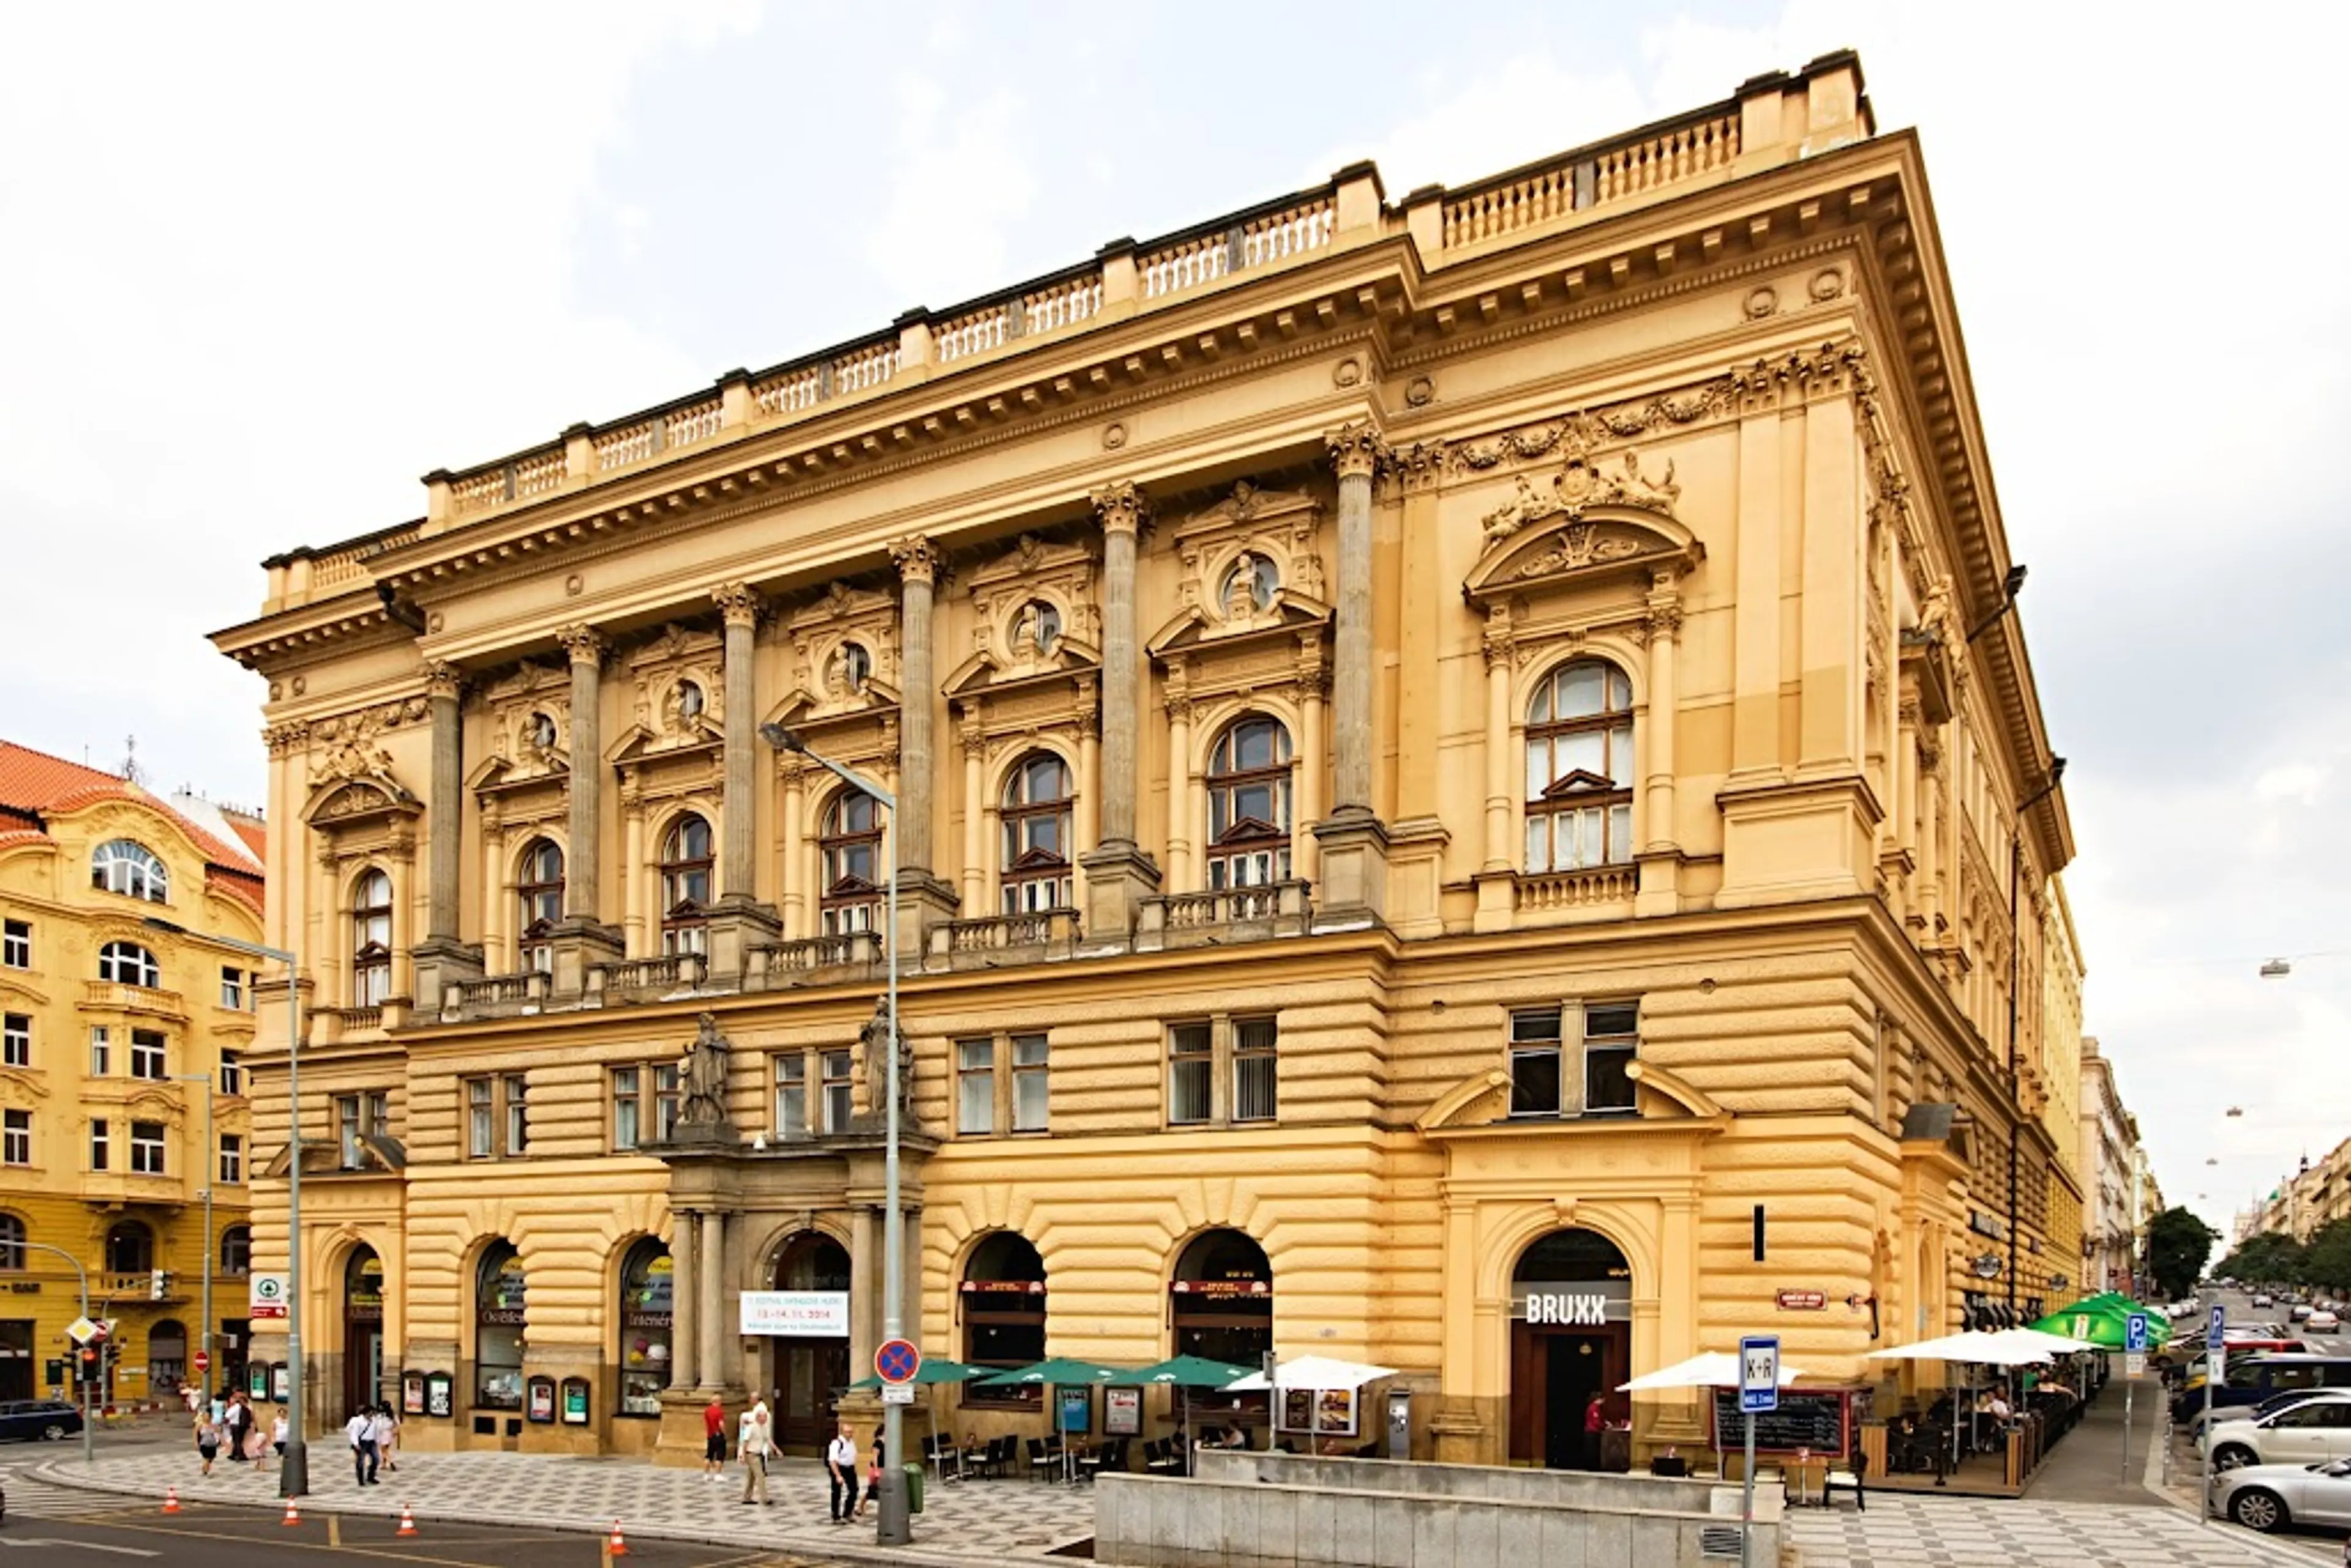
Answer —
2321 1320
2248 1379
2298 1312
2272 1497
2264 1301
52 1420
2310 1432
2268 1407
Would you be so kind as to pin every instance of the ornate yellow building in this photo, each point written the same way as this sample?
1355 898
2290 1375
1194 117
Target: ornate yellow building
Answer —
108 1024
1457 757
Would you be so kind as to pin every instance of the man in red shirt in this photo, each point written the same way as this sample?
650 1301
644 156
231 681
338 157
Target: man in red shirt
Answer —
714 1439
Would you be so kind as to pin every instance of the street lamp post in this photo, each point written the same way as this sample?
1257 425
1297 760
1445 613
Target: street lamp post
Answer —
82 1274
893 1525
212 1175
294 1469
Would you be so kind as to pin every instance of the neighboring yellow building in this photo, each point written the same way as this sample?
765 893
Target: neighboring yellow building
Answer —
104 1021
1454 755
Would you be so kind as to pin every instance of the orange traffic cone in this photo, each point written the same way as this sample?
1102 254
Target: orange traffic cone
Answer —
170 1499
407 1521
293 1512
618 1547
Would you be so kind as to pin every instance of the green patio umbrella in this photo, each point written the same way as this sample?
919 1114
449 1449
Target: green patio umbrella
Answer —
1055 1373
2102 1320
1186 1372
939 1371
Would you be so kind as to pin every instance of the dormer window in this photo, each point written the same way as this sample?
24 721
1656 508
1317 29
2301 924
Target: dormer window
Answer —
127 867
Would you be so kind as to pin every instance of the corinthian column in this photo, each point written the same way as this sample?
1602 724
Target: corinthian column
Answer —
1352 842
1658 892
584 940
740 607
924 900
441 684
1119 875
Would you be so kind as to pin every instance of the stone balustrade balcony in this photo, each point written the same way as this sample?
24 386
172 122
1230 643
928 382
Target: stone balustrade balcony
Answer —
997 941
112 997
1225 917
647 979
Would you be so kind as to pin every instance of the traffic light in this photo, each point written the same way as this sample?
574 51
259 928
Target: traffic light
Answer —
158 1281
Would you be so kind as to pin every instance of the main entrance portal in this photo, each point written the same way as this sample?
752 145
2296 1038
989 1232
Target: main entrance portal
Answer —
810 1373
1570 1345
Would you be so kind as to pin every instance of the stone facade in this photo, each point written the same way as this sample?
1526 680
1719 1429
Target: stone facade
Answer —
1439 748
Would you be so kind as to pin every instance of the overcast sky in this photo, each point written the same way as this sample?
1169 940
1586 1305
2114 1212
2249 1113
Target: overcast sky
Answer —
261 269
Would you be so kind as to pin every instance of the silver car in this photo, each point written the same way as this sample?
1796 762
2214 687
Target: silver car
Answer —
2271 1497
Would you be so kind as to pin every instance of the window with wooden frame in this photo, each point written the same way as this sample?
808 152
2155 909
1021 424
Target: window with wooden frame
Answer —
15 1138
1250 805
17 945
976 1088
1036 820
1580 769
358 1117
232 1165
498 1116
1222 1070
1032 1082
1003 1085
149 1056
814 1093
370 939
1191 1074
645 1104
147 1148
102 1143
16 1040
1573 1059
837 1099
539 888
685 885
848 843
791 1117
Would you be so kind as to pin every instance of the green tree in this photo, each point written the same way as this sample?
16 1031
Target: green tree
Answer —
2328 1261
2270 1258
2178 1243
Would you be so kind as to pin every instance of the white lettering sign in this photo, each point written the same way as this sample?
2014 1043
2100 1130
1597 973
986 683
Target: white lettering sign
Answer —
797 1314
1561 1307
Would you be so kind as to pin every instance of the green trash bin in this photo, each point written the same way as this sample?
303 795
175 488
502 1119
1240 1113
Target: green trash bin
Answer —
914 1488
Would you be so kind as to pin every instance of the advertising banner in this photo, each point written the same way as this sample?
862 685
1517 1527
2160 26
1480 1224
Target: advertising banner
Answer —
795 1315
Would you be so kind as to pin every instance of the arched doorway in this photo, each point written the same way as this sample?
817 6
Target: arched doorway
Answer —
811 1370
362 1328
1220 1304
1571 1342
501 1313
167 1358
648 1305
1003 1300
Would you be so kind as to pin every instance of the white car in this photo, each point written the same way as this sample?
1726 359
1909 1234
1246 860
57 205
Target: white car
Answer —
2264 1301
2306 1434
2321 1320
2272 1497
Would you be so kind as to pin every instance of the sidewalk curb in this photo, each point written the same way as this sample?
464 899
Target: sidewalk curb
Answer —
57 1473
2260 1545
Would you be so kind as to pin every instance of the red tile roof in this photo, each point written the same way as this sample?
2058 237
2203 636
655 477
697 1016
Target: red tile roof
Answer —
35 782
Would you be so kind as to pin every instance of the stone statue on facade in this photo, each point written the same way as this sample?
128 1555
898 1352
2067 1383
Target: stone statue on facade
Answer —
702 1074
875 1038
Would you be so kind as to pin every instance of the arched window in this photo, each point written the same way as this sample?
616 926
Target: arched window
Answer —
237 1249
1221 1307
1037 835
500 1316
850 844
1580 769
129 1248
685 884
1003 1315
647 1305
131 869
129 964
12 1244
1249 586
1249 805
167 1355
539 883
370 939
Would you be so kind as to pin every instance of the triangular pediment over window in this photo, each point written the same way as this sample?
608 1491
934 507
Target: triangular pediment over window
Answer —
1038 859
1578 781
1248 828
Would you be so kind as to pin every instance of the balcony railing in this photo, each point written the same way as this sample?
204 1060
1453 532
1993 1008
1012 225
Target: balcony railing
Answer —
637 977
1001 939
1225 915
1593 887
498 995
111 996
813 960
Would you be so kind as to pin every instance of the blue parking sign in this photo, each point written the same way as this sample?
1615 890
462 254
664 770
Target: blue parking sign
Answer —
1759 1372
2135 1334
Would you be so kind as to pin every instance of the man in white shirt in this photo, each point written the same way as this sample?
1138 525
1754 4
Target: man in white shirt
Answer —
752 1442
360 1430
840 1464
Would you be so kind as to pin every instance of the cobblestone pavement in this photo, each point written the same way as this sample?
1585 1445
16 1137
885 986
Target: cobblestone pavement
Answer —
1950 1532
967 1524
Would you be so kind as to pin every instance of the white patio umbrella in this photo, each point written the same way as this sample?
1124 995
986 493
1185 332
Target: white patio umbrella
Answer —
1707 1369
1312 1372
2040 1339
1975 1346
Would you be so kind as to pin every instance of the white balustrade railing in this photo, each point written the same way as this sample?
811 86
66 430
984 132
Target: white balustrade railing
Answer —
1063 304
629 444
867 367
788 393
685 426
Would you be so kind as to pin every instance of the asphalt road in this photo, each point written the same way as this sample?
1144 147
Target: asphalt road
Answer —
102 1531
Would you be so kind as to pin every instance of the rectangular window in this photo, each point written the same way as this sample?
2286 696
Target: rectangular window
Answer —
976 1087
232 1075
1534 1063
347 1131
1032 1082
102 1051
481 1119
16 1040
1191 1072
518 1093
147 1148
232 1159
231 988
147 1055
791 1095
16 1137
627 1132
102 1143
1611 1039
17 945
1253 1070
836 1091
666 1102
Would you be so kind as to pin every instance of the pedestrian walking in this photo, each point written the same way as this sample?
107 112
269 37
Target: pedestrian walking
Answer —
386 1431
753 1447
277 1429
872 1476
208 1439
714 1439
360 1432
840 1466
239 1422
257 1445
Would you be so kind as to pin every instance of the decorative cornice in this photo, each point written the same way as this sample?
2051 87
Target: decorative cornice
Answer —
1357 450
738 603
1122 508
917 559
584 645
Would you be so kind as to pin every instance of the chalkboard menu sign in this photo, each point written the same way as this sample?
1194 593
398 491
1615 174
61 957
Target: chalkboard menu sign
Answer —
1821 1419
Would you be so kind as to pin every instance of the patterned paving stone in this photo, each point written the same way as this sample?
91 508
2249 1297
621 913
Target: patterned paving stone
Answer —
1948 1532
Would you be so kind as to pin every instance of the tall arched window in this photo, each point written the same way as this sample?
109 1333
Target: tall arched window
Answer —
501 1313
539 884
851 845
12 1244
129 964
1037 835
685 884
370 939
647 1307
131 869
1580 769
1249 805
237 1249
129 1248
1004 1316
